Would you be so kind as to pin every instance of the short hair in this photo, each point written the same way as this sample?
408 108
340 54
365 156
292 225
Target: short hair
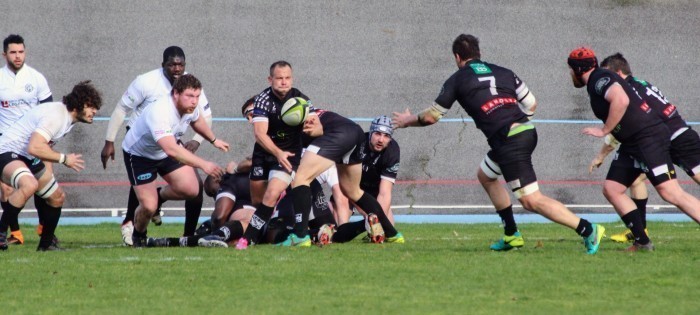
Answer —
247 103
185 82
172 52
279 64
616 63
466 47
84 94
12 39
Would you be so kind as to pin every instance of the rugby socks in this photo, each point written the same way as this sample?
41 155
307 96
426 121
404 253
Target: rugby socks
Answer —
10 214
262 215
642 207
370 205
230 231
39 210
193 208
633 221
14 225
348 231
584 228
508 220
301 196
51 217
131 206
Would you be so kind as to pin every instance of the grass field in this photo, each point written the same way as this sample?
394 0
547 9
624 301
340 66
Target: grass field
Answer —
442 269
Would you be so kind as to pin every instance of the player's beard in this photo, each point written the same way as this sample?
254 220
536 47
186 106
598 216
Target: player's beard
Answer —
578 81
82 117
15 69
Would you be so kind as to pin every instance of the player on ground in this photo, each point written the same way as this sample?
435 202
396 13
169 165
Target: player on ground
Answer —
335 141
143 91
491 95
21 89
277 149
151 147
28 142
644 139
685 142
381 158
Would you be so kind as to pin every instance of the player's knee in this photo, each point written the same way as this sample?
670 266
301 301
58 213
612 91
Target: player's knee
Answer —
670 193
28 186
57 198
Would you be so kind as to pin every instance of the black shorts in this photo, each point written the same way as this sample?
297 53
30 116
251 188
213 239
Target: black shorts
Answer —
143 170
264 162
514 157
685 152
36 166
341 145
648 153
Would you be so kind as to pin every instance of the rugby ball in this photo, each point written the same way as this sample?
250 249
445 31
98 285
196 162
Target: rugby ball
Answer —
294 111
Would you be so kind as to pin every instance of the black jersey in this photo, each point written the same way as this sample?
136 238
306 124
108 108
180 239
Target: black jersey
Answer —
237 185
379 165
638 114
331 122
658 103
487 92
267 107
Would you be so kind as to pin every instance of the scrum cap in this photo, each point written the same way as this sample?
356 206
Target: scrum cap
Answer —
581 60
381 124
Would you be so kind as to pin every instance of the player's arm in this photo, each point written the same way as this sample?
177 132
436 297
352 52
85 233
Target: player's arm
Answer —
426 117
384 196
616 96
39 148
47 100
115 122
313 127
196 141
201 127
182 155
527 101
243 167
608 146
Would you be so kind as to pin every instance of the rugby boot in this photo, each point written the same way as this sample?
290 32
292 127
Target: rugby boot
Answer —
325 234
509 242
52 247
139 241
212 241
294 240
157 242
127 230
374 229
3 240
625 236
242 243
592 242
204 228
16 238
398 239
636 247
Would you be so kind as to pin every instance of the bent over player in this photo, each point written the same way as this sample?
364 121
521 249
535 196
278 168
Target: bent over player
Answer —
492 96
27 143
151 147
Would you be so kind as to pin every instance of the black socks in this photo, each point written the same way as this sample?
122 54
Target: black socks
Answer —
508 220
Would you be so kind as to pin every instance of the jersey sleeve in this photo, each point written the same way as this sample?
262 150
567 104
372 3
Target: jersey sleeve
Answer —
603 83
134 94
448 93
43 91
204 104
392 162
261 108
50 126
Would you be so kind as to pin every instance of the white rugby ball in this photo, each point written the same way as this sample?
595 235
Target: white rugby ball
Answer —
294 111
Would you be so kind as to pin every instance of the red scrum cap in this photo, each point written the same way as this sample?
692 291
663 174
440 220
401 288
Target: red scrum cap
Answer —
581 60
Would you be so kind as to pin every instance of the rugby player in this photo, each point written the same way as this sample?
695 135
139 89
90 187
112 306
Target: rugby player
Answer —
21 89
493 96
27 143
142 92
644 138
277 148
685 142
151 147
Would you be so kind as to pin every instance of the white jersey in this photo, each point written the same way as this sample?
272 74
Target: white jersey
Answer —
148 88
51 120
159 120
329 177
19 93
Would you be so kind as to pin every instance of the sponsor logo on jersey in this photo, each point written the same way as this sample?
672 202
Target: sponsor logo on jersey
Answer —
645 108
281 135
179 134
29 88
497 102
206 106
14 155
602 82
258 171
642 82
257 222
394 168
162 132
669 110
480 68
13 103
35 161
144 176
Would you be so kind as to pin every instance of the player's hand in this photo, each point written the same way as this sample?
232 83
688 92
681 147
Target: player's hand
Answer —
401 119
192 146
221 145
212 169
596 163
313 127
593 131
231 167
283 160
107 152
75 162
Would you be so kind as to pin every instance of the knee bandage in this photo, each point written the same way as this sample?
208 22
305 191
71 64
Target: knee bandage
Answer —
490 168
48 189
17 174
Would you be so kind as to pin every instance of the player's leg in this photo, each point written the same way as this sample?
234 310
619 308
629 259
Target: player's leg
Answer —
193 208
310 167
50 197
147 195
488 174
16 236
16 174
279 181
640 196
223 206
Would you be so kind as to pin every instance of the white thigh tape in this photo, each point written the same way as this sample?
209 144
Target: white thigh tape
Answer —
48 189
17 174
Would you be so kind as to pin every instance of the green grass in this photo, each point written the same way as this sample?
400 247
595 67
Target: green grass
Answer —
442 269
